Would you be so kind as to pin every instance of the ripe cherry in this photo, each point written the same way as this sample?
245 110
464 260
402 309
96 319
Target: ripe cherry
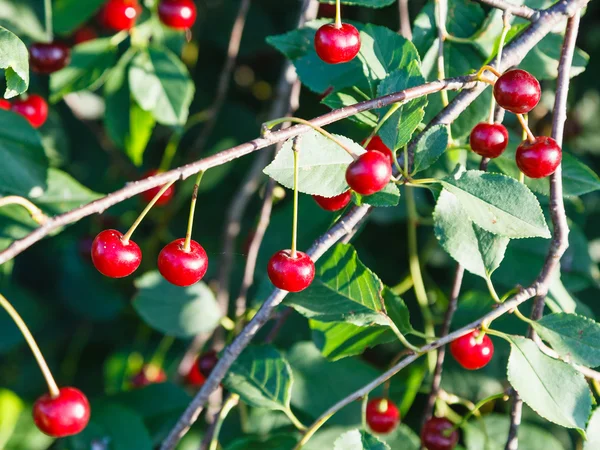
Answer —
178 14
113 257
194 377
337 45
377 145
369 173
65 415
539 158
34 108
119 15
48 57
382 415
4 104
149 374
333 203
470 353
164 199
517 91
489 139
84 34
436 434
207 362
289 273
182 267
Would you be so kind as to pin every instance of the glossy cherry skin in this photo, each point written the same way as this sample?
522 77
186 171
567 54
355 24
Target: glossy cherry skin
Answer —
34 108
84 34
180 267
48 57
471 354
4 104
194 377
369 173
65 415
149 374
178 14
333 203
164 199
433 436
517 91
119 15
114 258
489 139
337 45
207 362
382 415
377 145
291 274
540 158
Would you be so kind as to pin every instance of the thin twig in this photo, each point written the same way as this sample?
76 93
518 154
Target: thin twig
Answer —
517 10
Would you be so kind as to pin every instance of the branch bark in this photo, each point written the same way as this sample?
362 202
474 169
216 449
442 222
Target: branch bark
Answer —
517 10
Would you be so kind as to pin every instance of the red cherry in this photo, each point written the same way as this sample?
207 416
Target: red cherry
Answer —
119 15
333 203
148 195
180 267
517 91
376 144
48 57
337 45
434 437
34 108
369 173
194 377
382 415
470 353
65 415
178 14
489 139
149 374
291 274
4 104
84 34
207 362
114 258
539 158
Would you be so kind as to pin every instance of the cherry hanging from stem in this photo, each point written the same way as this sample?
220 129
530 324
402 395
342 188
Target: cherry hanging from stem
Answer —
505 29
338 14
188 234
295 151
525 126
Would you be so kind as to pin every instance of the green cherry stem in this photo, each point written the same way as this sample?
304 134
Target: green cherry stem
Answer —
523 121
165 344
36 213
490 286
20 323
229 404
48 19
188 234
338 14
295 151
127 236
505 29
520 315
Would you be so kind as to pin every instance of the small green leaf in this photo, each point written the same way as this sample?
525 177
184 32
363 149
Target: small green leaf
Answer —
388 196
593 432
430 146
358 440
14 59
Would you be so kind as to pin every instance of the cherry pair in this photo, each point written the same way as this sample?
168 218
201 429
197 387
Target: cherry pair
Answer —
34 108
121 15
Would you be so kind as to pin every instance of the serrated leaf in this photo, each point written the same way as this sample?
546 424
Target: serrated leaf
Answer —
176 311
322 164
262 377
572 336
593 432
14 59
498 204
358 440
350 96
388 196
431 145
477 250
552 388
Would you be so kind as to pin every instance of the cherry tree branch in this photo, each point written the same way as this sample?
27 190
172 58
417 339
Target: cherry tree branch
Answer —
517 10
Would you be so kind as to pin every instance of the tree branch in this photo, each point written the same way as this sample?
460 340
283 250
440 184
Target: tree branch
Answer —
517 10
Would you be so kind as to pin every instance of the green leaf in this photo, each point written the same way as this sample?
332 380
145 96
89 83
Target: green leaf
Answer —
14 59
347 97
477 250
24 163
402 438
11 407
593 432
68 15
274 442
388 196
64 193
365 3
575 337
397 311
181 312
552 388
161 84
262 378
358 440
90 62
322 164
498 204
430 146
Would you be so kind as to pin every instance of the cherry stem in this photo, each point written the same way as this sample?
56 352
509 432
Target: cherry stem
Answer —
127 236
158 358
228 405
295 151
36 213
338 14
382 407
48 19
523 121
505 29
188 234
12 312
492 290
479 73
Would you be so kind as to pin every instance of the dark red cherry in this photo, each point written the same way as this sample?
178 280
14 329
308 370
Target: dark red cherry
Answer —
178 14
517 91
539 158
149 374
119 15
114 258
382 415
369 173
489 139
291 274
435 434
34 108
65 415
194 377
337 45
207 362
181 267
377 145
84 34
4 104
48 57
333 203
165 198
470 353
